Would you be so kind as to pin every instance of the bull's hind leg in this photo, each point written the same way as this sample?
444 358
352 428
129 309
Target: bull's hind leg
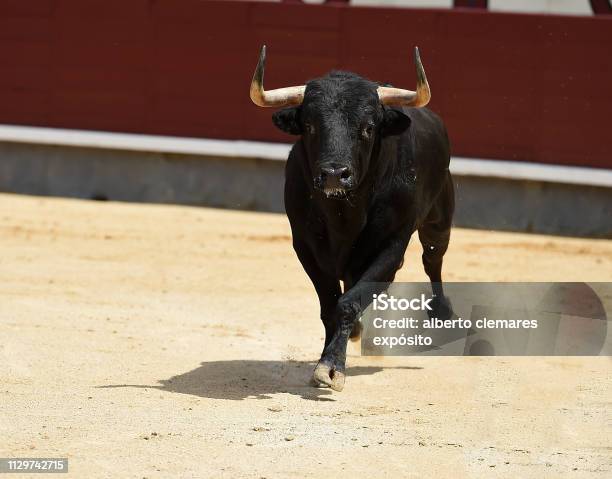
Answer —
357 326
434 235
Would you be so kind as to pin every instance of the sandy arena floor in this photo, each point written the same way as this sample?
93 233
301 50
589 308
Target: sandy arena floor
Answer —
163 341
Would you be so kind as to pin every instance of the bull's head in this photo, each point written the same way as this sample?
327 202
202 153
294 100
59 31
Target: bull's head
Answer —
341 118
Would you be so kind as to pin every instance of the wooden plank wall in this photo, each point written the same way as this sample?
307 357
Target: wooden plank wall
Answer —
510 86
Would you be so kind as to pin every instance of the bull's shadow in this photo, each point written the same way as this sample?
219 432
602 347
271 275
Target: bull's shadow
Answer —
245 379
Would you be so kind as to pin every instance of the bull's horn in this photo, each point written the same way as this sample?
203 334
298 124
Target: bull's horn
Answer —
399 97
292 95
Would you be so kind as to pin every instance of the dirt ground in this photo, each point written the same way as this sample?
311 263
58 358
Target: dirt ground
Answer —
164 341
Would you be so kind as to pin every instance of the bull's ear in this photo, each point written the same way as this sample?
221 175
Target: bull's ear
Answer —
288 120
395 122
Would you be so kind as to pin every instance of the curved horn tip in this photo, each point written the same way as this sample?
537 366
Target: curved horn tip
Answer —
421 78
257 90
424 92
417 57
261 63
260 68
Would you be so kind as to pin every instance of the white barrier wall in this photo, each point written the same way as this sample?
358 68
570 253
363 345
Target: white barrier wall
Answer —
504 195
556 7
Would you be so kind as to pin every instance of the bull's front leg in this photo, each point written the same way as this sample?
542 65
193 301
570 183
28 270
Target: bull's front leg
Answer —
330 370
327 287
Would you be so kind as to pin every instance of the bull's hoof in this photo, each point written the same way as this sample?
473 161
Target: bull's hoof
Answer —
316 384
324 376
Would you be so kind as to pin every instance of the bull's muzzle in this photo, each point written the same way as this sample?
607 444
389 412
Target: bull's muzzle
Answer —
334 182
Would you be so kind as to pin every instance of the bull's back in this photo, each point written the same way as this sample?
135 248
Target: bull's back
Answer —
426 151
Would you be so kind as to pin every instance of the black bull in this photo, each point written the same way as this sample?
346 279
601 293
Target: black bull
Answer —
360 180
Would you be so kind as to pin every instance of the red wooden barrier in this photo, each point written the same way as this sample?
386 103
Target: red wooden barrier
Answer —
509 86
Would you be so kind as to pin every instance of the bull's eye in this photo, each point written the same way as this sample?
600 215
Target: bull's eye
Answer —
367 131
310 128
